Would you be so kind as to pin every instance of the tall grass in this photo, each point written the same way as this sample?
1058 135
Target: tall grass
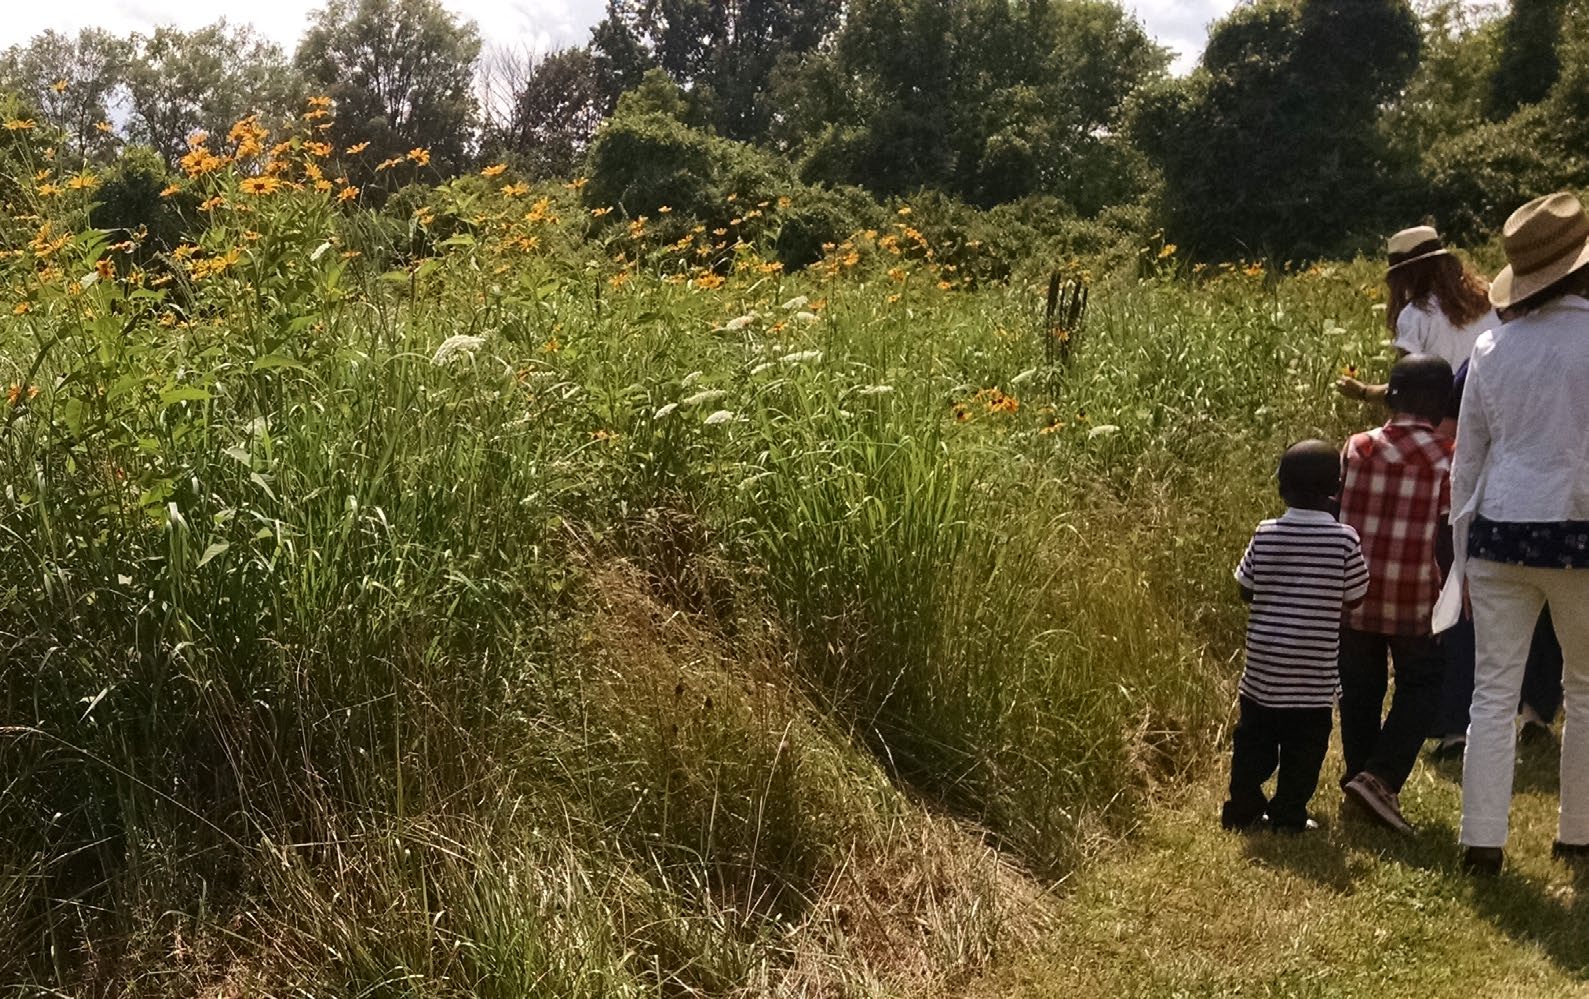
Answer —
667 637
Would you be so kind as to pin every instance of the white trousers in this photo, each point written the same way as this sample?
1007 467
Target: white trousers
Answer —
1507 600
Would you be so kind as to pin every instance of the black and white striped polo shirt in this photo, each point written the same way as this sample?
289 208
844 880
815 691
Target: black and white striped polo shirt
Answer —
1303 569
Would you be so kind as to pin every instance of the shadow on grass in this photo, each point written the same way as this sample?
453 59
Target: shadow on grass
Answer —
1316 856
1558 926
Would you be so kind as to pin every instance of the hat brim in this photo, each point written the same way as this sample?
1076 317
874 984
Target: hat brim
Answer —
1509 288
1442 252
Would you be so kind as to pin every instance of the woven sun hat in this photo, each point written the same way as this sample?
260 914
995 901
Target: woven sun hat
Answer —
1411 245
1546 240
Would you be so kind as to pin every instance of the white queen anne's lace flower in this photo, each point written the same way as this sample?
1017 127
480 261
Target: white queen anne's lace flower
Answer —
461 345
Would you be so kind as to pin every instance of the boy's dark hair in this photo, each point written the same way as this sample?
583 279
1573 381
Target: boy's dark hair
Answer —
1310 475
1420 385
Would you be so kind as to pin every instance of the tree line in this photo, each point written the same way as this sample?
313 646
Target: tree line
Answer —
1308 126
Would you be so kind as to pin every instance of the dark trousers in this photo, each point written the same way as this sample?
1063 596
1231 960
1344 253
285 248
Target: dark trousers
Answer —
1542 689
1294 740
1387 744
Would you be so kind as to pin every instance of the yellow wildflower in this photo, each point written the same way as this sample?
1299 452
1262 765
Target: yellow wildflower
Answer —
515 190
347 193
420 156
494 170
84 181
356 149
104 127
21 309
169 190
59 86
49 190
260 185
19 125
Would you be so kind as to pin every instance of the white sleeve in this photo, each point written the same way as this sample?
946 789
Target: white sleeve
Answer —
1412 330
1473 440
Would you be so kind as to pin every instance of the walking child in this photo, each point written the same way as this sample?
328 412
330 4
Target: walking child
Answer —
1299 574
1397 496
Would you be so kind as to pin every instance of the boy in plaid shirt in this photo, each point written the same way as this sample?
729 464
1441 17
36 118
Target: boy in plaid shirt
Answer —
1397 495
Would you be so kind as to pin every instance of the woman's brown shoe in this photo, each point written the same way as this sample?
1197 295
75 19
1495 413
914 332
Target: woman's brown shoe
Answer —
1573 853
1483 859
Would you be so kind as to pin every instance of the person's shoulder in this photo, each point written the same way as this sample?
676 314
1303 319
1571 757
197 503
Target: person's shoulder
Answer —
1414 313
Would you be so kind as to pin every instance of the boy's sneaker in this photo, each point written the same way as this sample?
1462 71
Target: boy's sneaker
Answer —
1450 748
1379 801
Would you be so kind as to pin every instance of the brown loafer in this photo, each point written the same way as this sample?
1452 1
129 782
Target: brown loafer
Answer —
1483 859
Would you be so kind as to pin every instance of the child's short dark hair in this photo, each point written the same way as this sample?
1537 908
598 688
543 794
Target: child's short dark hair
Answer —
1420 385
1310 474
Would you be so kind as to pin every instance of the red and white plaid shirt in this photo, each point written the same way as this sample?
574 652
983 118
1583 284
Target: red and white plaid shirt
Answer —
1397 495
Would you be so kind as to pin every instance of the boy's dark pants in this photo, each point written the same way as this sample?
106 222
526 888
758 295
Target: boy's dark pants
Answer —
1292 739
1389 748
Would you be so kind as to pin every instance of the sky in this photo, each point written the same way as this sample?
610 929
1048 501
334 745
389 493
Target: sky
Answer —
537 25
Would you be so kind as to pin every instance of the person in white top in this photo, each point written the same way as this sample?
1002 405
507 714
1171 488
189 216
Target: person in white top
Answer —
1520 501
1436 304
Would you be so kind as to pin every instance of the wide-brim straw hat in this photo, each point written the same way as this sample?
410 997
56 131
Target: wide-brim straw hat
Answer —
1412 245
1546 240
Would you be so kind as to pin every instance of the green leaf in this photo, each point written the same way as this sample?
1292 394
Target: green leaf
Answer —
171 397
211 552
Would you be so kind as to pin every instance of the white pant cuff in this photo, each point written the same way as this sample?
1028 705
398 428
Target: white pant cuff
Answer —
1484 833
1574 828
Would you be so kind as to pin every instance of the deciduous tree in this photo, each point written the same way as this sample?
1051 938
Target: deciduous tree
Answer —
181 82
401 73
74 83
1272 146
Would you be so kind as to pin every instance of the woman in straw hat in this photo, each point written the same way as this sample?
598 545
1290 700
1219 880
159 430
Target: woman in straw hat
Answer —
1520 492
1437 304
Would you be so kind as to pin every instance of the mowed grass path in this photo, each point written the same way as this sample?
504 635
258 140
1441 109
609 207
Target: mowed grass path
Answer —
1184 909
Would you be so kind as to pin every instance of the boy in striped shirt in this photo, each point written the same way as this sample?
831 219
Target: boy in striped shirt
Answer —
1301 572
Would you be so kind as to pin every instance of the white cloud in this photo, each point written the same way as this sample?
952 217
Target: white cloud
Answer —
511 24
1181 24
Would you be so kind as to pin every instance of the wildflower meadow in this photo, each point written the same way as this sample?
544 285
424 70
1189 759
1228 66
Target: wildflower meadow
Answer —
486 591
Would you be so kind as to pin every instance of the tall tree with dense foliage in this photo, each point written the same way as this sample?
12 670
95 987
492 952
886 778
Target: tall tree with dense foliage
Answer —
725 53
988 99
1529 62
401 74
1272 146
181 82
73 83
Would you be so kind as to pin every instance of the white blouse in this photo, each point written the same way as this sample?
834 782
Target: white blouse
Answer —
1523 437
1424 329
